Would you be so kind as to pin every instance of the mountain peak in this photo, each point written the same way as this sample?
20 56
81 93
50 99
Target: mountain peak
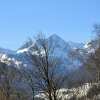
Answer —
57 39
26 44
55 36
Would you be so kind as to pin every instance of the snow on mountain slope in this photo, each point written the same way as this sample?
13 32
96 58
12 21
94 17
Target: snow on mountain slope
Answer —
22 50
62 49
54 40
88 47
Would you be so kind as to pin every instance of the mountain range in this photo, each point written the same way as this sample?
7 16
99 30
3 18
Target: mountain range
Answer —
72 67
62 49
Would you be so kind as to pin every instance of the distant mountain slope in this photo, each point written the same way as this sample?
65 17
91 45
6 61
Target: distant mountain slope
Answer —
62 50
7 51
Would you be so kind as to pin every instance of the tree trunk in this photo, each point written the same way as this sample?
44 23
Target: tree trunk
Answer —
7 96
50 96
55 97
49 93
98 77
33 93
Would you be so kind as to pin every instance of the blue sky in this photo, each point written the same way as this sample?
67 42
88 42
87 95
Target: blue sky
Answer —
70 19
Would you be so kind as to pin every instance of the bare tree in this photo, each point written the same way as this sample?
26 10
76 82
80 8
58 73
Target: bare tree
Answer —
94 57
45 68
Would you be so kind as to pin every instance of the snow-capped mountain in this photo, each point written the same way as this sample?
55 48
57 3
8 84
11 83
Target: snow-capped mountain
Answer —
61 46
62 49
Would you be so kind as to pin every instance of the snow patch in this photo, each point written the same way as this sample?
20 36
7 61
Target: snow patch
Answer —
22 50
